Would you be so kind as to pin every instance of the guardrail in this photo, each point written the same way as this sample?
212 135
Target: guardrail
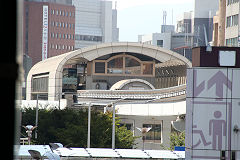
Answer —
134 94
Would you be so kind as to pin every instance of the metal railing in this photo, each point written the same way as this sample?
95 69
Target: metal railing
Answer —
134 94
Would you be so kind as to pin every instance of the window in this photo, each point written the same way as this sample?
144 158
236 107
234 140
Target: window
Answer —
160 43
229 21
129 126
115 66
154 133
232 20
235 20
147 68
99 67
132 66
232 42
40 84
126 65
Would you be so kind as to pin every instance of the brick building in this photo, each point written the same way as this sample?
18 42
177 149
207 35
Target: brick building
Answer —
49 29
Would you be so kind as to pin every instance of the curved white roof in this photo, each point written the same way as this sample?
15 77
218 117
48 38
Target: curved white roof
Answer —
54 65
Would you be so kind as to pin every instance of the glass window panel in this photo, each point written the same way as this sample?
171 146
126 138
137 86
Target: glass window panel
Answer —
132 66
99 67
157 132
115 66
148 68
154 133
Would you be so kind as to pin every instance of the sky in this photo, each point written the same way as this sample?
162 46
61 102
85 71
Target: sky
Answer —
137 17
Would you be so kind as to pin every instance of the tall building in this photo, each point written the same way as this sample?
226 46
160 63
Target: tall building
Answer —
96 22
232 31
49 29
202 21
226 24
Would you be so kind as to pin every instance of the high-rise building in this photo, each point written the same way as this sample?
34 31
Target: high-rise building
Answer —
49 29
232 31
96 22
202 21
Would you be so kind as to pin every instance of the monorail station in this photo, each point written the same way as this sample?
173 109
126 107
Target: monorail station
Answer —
146 84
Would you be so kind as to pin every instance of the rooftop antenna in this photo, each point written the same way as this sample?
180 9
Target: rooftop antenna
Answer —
164 17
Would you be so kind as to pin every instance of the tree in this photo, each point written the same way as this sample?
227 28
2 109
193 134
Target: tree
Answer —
69 127
177 139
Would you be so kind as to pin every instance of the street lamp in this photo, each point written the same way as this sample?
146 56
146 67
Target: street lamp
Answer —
89 125
29 129
144 131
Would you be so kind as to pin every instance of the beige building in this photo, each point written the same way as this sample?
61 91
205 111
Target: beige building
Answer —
232 32
219 25
226 24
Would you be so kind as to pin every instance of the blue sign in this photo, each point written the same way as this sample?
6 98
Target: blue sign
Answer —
179 148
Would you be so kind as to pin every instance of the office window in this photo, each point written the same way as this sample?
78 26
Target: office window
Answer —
229 21
99 67
235 20
155 132
160 43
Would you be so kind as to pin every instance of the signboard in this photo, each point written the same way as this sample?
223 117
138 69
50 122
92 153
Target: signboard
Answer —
213 108
45 33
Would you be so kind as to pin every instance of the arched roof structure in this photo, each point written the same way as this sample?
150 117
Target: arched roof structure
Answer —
120 84
53 66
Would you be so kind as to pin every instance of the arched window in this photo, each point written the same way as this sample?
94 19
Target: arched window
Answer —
132 66
115 66
124 65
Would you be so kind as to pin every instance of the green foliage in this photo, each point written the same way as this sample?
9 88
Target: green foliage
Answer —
69 127
177 139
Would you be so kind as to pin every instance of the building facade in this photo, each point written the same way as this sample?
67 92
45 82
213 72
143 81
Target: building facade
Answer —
96 22
49 29
177 42
232 32
226 24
